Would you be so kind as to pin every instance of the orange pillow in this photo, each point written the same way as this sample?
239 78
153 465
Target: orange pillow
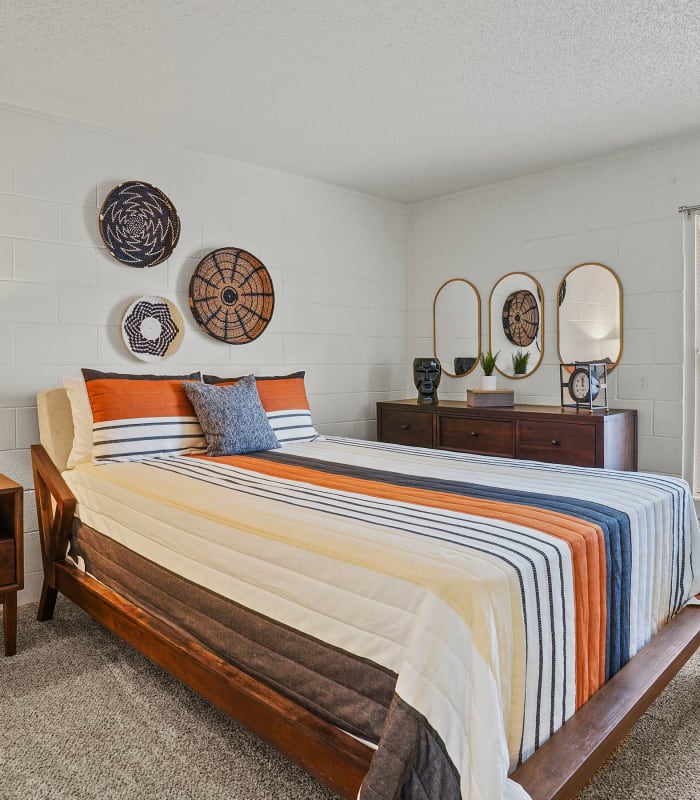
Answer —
141 416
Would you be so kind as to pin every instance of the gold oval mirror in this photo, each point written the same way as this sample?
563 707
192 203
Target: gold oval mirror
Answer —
589 315
457 327
516 324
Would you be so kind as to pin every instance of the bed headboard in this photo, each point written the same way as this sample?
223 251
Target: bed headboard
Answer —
55 425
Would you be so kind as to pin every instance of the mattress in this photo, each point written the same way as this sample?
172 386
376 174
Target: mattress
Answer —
471 604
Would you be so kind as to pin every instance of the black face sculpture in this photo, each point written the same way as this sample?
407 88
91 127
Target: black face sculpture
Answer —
426 376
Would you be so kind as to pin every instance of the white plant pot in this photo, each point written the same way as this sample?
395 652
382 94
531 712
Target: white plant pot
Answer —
488 382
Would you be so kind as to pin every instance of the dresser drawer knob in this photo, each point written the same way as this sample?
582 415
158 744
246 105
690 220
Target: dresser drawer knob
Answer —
475 434
556 442
405 426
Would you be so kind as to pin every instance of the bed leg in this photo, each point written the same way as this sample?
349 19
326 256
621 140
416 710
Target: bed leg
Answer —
9 610
47 603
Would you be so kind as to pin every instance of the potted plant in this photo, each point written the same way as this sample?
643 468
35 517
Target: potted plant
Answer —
520 360
488 364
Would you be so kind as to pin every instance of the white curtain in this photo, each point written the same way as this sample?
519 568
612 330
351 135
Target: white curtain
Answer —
691 362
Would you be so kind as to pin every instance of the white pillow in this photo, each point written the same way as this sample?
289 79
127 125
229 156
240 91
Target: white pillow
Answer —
81 411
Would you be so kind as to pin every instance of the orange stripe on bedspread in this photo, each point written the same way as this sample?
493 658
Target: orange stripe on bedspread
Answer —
584 539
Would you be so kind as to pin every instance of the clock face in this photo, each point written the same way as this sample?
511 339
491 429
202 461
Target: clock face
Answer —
580 387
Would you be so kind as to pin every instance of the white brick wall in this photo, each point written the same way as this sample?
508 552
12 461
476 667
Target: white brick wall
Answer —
337 259
620 211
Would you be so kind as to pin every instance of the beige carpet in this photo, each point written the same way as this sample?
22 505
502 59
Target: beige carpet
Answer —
83 716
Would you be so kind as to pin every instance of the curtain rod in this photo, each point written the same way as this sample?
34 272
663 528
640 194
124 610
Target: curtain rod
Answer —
687 209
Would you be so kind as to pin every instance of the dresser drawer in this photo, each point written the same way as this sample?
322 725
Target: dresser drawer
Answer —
493 437
407 427
7 562
558 443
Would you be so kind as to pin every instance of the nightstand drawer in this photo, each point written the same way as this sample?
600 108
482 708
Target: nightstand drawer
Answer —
7 562
558 443
493 437
406 427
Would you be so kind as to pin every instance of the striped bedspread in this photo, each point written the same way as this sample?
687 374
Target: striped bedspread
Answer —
463 607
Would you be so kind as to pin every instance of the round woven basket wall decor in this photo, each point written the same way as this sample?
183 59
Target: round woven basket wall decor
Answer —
231 295
152 328
138 224
521 318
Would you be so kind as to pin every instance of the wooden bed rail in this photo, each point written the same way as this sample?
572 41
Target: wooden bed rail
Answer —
567 761
55 505
336 758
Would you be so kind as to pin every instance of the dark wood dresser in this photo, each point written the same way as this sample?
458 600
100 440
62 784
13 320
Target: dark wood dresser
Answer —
538 433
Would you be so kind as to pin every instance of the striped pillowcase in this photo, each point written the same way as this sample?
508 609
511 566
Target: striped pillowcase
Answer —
141 416
284 399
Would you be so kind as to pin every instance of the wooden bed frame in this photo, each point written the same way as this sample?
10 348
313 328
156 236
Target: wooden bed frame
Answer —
557 771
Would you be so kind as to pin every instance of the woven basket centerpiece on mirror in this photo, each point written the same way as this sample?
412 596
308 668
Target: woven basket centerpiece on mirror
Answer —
138 224
521 318
231 295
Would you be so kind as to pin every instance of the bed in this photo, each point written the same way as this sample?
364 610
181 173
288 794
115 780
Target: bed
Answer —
412 623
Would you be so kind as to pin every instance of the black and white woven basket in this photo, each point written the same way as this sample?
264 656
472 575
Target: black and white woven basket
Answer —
138 224
152 328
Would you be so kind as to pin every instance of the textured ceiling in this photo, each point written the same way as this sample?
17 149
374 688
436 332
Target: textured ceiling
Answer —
402 99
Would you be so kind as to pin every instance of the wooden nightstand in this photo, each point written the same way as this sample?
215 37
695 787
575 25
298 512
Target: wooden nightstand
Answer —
11 560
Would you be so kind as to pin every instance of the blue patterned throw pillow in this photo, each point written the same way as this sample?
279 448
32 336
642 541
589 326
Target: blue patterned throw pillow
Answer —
232 417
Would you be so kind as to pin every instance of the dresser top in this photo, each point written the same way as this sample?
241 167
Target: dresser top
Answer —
520 409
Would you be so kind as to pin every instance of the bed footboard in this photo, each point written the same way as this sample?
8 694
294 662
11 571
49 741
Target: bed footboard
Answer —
55 504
